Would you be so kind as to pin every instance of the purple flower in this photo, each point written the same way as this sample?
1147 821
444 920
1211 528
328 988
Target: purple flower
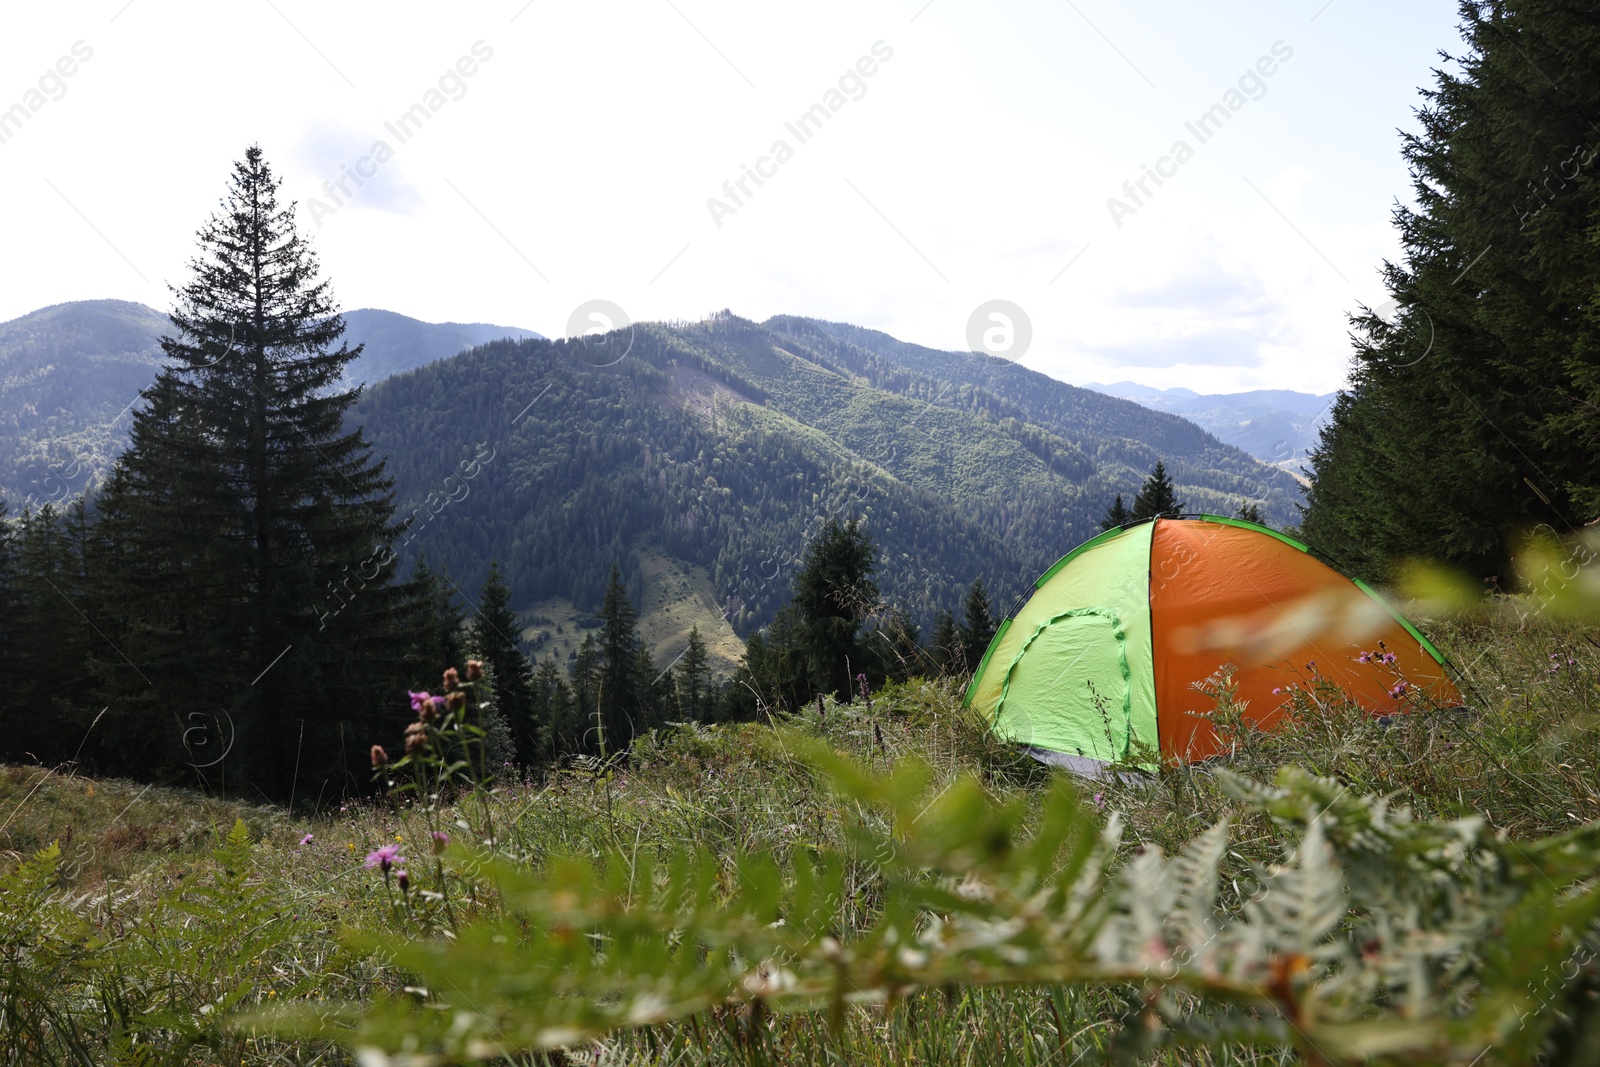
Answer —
384 858
1399 690
1389 657
304 841
441 841
419 699
1099 800
1276 690
404 879
1365 657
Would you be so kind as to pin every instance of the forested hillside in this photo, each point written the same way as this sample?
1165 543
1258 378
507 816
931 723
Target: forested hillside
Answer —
727 444
68 375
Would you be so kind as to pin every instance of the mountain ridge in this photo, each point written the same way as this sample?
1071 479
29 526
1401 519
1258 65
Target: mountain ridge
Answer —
70 371
725 444
1276 426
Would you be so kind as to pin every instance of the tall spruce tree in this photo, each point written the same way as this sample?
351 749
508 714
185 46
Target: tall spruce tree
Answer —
441 627
833 593
1473 413
1157 498
494 637
587 668
554 710
625 695
255 582
693 679
977 625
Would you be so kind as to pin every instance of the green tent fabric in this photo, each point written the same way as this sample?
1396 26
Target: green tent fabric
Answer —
1045 701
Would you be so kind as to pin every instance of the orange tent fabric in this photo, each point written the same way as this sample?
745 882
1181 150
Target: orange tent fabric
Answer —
1223 593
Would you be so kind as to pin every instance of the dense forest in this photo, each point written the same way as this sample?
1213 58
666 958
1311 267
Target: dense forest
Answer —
1472 421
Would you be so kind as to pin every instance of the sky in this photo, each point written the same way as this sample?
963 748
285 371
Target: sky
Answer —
517 160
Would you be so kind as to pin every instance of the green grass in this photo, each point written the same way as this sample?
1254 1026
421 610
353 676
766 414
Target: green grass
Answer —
134 858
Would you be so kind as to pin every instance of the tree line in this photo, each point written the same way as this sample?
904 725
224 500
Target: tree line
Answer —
1472 420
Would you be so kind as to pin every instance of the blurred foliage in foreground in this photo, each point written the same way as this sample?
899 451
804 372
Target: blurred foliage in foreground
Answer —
1375 936
127 950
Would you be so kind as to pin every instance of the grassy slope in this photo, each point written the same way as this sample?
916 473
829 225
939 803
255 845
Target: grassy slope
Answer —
1527 760
677 597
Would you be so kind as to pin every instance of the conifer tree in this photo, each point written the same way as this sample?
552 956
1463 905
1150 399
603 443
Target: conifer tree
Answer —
977 625
833 593
897 641
494 636
694 676
441 626
1117 516
1157 498
626 672
586 690
1473 413
554 711
1250 512
255 575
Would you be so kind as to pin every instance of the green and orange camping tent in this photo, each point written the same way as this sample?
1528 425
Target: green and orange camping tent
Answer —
1111 643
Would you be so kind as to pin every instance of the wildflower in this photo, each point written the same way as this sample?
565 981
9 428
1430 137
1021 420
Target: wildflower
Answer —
1365 657
1276 690
384 858
416 738
379 757
441 840
421 703
306 840
404 880
1099 800
1389 657
1399 690
1312 666
451 679
474 670
456 701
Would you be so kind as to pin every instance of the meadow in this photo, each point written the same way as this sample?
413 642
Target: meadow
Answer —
157 925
